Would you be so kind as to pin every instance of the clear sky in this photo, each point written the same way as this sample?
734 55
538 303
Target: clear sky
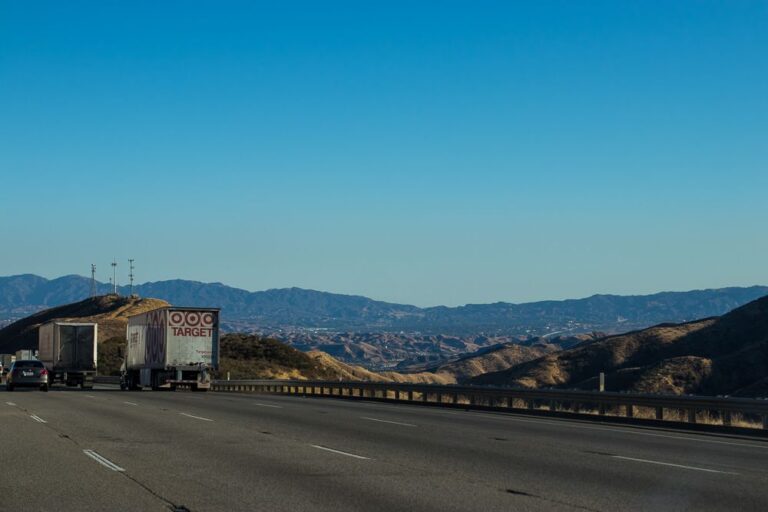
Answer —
419 152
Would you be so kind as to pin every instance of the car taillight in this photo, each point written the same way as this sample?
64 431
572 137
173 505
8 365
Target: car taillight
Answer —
43 372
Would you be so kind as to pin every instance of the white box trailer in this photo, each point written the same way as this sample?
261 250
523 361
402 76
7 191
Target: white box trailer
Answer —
6 360
69 351
171 346
25 353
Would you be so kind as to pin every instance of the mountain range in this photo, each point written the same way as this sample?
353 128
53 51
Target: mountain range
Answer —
711 356
296 309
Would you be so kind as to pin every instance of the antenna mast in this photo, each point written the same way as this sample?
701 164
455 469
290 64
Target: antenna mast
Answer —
114 276
93 280
130 274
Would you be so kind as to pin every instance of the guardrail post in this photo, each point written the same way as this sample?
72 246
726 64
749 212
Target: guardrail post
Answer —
510 402
765 421
531 404
410 396
727 418
691 415
472 400
425 397
630 410
659 413
576 406
455 398
601 409
552 405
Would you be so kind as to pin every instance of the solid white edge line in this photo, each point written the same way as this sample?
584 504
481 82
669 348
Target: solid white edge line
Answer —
130 403
319 447
387 421
37 418
628 431
11 404
681 466
196 417
90 396
268 405
102 460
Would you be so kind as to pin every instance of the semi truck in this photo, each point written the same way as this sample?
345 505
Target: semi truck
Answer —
6 360
68 351
25 353
171 347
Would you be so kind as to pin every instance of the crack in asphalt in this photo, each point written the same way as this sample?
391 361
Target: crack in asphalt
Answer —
171 505
524 494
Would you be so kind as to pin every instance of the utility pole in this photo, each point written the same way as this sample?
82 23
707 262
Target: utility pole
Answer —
114 276
93 280
130 274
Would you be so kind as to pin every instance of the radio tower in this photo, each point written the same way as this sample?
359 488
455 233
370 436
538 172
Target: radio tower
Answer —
130 274
114 276
93 280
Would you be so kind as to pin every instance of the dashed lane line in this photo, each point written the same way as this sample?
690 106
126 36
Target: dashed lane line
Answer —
387 421
103 460
669 464
195 417
339 452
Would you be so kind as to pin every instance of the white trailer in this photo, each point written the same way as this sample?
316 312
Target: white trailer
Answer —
6 360
25 353
172 346
69 352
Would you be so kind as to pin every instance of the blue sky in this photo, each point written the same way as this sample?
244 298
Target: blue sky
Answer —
420 152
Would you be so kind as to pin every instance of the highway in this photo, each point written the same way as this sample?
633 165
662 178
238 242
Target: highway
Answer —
105 449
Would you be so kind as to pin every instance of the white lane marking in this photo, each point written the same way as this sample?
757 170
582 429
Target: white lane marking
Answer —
90 396
339 452
37 418
673 465
630 432
130 403
195 417
103 461
268 405
387 421
11 404
565 423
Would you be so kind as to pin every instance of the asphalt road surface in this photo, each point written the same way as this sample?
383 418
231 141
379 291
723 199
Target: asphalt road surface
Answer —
107 449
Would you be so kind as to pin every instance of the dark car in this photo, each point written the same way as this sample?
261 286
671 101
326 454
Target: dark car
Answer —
29 373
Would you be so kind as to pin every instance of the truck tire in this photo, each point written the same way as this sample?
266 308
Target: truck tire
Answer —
44 388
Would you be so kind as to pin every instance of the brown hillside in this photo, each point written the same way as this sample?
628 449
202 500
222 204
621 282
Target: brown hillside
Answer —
249 356
111 312
494 360
725 355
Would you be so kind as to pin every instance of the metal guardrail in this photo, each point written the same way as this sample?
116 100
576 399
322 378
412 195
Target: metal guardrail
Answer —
563 401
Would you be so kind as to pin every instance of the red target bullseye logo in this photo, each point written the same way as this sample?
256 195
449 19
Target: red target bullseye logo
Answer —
192 319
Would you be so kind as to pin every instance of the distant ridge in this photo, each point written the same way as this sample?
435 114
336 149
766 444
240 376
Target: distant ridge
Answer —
296 308
712 356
